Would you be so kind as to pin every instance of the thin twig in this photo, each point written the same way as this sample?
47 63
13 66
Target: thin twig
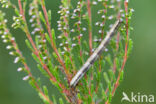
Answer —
117 46
36 52
90 25
52 43
68 93
125 56
29 73
102 36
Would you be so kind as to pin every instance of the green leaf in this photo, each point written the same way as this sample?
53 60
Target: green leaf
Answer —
108 59
109 87
17 12
110 97
112 75
35 58
67 62
89 99
49 16
48 38
57 85
106 77
42 70
92 88
45 90
53 36
79 95
43 98
54 54
61 101
37 41
28 44
42 17
39 81
130 47
121 77
104 95
56 74
31 82
54 99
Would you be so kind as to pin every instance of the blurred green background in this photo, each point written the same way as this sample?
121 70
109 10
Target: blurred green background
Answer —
140 70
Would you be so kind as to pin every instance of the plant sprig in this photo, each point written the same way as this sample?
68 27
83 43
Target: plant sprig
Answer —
59 54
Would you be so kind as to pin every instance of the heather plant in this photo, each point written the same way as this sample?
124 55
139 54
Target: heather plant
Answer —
61 51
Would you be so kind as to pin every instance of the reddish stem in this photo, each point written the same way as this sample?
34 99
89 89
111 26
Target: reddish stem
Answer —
90 25
102 36
52 43
90 34
125 56
29 73
36 52
67 92
117 39
79 29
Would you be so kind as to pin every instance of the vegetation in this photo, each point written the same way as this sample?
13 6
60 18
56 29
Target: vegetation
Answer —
60 53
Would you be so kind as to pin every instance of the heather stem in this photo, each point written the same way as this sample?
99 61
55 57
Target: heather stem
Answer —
36 52
52 43
89 25
29 73
125 56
